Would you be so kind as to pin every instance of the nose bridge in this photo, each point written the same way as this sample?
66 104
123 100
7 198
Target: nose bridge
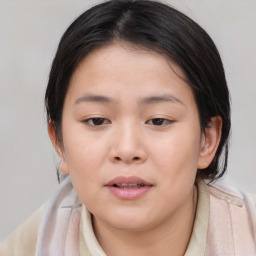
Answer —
128 145
128 136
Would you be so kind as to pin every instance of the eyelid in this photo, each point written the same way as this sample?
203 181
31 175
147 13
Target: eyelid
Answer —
87 121
167 121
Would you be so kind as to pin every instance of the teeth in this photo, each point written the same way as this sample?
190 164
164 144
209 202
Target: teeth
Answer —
130 185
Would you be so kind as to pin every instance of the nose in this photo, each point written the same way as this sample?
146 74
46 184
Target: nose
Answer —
128 146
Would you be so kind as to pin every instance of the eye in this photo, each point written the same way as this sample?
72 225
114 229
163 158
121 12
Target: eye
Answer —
159 121
96 121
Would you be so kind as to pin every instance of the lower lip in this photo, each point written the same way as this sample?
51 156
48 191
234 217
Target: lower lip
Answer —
129 193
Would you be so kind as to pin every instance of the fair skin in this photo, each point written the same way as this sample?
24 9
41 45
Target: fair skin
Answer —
128 114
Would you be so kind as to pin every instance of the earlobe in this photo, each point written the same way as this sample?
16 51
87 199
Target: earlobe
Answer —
58 148
63 166
210 142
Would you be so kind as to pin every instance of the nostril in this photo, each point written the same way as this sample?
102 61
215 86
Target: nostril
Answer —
136 158
117 158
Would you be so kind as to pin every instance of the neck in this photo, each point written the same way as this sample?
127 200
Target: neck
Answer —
172 236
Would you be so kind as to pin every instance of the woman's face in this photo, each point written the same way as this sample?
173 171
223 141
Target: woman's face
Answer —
132 141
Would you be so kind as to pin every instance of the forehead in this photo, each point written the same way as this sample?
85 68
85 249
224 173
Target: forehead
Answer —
115 52
123 69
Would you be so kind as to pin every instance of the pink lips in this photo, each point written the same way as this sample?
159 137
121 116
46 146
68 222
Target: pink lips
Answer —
128 188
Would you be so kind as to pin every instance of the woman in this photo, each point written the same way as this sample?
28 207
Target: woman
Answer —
138 112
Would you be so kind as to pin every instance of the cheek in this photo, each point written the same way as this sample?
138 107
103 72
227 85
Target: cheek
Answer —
84 160
84 156
178 153
82 148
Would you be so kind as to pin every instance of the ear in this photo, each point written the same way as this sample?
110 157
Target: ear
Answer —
58 148
210 142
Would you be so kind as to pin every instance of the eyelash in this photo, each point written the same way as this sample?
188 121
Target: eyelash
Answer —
103 121
90 121
163 121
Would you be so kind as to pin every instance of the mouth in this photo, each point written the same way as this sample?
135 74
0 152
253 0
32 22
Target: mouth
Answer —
128 188
129 185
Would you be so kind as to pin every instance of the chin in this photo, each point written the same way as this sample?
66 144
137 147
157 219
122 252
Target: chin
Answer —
131 226
129 220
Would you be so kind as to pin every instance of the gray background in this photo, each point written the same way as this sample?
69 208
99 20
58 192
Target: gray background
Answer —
29 34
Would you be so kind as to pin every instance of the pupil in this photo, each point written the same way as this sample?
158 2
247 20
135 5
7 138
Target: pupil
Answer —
158 121
98 121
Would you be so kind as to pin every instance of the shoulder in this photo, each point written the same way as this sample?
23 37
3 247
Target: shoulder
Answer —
230 205
23 240
223 191
232 220
230 194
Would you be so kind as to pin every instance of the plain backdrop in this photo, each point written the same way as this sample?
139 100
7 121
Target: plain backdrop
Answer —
29 35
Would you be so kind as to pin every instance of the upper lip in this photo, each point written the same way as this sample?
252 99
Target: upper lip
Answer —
128 180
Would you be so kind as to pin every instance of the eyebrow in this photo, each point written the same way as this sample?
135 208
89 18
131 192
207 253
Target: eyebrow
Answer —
94 98
160 98
144 101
